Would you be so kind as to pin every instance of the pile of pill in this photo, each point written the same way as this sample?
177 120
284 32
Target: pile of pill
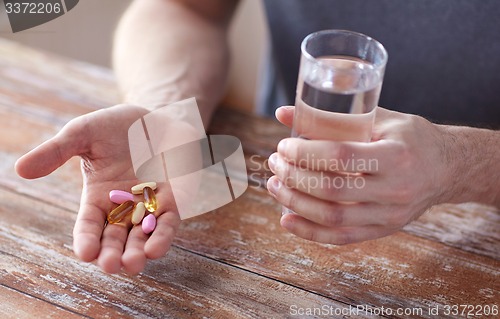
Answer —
140 212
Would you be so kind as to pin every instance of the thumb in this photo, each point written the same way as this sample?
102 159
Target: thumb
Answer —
50 155
284 114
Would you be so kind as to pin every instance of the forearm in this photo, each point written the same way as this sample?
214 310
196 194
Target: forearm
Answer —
165 51
474 158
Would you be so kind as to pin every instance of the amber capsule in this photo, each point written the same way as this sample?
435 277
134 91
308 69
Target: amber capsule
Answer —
120 212
149 199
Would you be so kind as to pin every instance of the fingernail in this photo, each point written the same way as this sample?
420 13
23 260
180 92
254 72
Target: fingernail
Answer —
282 146
274 185
286 210
286 222
279 165
272 161
285 108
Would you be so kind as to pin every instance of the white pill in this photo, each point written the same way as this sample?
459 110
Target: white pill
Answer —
138 213
137 189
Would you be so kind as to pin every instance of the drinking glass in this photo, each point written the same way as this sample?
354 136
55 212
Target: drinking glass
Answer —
338 88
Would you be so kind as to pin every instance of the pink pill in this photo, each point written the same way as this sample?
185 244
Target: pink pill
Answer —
119 197
149 224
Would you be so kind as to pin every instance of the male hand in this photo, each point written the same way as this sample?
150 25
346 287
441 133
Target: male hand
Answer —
101 140
351 191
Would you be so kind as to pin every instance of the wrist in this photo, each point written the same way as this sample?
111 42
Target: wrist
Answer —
473 160
154 98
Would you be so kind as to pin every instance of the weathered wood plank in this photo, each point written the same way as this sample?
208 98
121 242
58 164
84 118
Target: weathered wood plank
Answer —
470 226
17 305
233 235
36 258
397 271
31 78
444 266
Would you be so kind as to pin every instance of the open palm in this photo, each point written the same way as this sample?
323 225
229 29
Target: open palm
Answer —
101 140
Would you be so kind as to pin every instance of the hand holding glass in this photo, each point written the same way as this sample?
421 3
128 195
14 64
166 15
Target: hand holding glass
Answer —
338 88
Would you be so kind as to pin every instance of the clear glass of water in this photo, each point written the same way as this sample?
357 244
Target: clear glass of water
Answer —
338 88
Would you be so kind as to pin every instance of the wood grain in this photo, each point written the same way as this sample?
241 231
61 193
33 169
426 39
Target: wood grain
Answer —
36 259
235 262
393 271
17 304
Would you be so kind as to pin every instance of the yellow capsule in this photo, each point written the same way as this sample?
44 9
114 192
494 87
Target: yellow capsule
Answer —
120 212
149 199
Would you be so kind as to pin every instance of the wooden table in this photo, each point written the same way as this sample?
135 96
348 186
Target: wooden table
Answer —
235 262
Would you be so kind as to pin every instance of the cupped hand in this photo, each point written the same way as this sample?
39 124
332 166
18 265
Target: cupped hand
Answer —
100 138
346 192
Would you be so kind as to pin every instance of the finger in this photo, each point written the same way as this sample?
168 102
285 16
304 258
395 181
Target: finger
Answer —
352 157
331 186
334 214
113 241
87 233
52 154
161 238
284 114
309 230
88 228
44 159
134 258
